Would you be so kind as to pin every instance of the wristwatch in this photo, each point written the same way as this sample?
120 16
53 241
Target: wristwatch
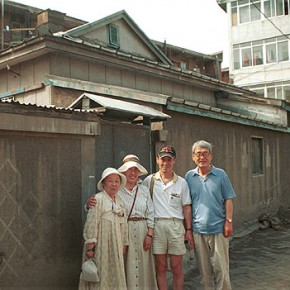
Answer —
229 220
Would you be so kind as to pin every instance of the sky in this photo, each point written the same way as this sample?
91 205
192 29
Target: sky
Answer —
198 25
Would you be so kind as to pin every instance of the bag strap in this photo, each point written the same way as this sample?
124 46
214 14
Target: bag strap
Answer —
151 185
133 202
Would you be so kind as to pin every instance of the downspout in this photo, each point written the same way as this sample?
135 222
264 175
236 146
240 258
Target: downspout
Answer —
2 26
147 122
217 70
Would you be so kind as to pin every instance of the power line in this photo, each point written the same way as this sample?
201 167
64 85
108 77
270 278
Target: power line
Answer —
270 20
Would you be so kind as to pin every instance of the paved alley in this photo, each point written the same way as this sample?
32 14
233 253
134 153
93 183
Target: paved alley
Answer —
258 261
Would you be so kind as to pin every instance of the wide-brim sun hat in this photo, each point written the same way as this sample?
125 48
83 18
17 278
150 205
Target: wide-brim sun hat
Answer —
108 171
130 161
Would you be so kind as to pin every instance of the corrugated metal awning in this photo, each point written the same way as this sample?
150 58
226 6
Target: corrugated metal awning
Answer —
110 108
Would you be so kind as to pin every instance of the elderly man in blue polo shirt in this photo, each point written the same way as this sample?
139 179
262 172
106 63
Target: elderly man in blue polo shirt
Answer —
172 204
212 212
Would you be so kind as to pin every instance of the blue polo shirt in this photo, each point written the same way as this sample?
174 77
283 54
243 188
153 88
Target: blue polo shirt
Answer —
208 196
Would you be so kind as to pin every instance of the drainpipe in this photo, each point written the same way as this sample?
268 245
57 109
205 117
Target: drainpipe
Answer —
147 122
2 25
217 70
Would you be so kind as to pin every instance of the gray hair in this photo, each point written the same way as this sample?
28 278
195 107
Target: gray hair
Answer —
202 144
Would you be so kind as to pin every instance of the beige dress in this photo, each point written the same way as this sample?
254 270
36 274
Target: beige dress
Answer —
140 268
106 225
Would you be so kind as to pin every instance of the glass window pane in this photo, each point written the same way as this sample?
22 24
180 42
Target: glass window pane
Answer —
259 92
279 92
279 7
271 53
281 38
241 2
258 55
246 57
246 44
271 93
286 90
183 65
234 17
236 59
269 40
268 8
244 14
283 54
257 42
255 11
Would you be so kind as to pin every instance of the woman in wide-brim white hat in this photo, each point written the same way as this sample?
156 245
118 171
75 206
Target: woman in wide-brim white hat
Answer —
130 161
106 233
139 261
108 171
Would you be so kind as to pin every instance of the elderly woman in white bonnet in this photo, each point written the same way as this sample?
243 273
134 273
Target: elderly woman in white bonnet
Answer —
139 262
106 234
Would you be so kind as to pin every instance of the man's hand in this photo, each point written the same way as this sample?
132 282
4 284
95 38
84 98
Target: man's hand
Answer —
189 237
91 202
228 229
147 243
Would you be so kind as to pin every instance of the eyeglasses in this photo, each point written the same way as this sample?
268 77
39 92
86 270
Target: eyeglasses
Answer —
199 154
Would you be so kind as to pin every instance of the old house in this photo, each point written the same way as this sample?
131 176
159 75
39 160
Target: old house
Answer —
90 68
207 64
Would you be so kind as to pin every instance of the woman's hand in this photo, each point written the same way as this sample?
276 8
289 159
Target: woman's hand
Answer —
90 252
147 242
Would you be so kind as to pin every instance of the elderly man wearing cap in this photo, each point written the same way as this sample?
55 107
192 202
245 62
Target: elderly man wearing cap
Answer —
139 262
106 234
172 204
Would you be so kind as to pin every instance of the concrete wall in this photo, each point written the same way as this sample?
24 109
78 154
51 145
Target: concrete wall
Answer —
252 31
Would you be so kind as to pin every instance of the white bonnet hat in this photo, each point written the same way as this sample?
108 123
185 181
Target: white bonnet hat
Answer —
130 161
109 171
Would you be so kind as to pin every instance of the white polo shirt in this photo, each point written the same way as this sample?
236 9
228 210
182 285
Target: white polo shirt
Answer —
169 199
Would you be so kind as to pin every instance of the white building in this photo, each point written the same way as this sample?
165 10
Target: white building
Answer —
259 39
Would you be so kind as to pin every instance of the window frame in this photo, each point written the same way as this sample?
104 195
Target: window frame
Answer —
273 50
246 11
114 35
